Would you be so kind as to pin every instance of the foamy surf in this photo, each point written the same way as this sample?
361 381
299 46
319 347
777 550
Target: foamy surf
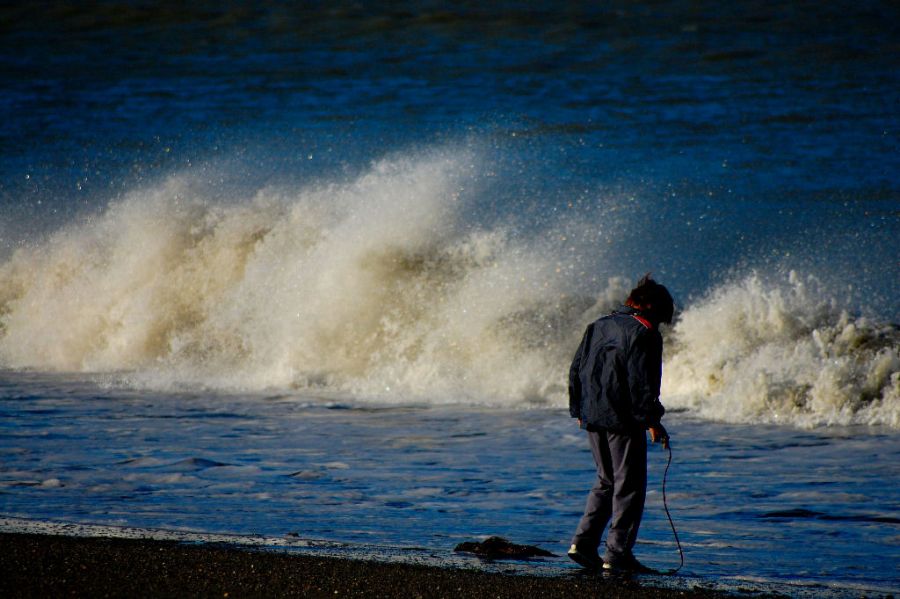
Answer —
783 352
386 286
377 287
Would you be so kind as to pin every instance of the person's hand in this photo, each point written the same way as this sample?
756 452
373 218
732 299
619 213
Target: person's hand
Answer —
658 434
579 423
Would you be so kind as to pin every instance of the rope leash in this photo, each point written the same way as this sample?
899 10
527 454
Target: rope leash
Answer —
668 515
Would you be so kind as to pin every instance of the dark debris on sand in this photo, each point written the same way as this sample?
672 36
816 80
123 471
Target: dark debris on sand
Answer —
500 548
55 566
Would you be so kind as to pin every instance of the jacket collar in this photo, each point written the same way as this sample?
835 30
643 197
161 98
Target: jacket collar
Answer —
636 314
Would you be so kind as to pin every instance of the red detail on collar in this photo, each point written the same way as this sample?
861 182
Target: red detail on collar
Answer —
643 321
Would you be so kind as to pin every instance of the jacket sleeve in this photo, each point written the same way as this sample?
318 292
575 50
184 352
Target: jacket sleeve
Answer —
574 376
644 378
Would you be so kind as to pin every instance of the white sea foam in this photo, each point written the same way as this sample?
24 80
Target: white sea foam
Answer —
382 287
754 351
374 287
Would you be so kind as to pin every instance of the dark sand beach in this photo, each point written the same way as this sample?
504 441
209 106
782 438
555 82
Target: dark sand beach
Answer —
56 566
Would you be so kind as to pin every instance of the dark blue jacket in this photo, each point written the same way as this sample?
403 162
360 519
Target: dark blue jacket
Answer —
615 376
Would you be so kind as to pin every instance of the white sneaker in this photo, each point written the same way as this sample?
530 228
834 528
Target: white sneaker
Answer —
584 559
627 564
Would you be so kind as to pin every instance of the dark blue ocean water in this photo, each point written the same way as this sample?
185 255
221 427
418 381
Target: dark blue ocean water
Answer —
417 206
746 133
808 513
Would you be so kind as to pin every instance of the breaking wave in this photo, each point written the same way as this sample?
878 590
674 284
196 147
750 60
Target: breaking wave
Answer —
385 286
375 287
783 352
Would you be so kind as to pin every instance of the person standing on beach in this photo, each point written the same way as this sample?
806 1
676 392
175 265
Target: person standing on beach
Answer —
614 387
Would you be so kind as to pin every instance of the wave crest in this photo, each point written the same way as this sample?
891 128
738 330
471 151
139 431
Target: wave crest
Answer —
784 353
374 286
387 286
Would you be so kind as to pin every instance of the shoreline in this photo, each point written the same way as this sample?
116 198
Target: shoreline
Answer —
40 565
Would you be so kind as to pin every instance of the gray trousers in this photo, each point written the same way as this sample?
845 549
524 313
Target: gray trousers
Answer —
618 494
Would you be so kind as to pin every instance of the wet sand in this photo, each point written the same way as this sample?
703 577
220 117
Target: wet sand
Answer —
56 566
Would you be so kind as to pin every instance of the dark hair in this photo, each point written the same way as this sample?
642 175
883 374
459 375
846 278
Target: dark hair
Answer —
653 299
